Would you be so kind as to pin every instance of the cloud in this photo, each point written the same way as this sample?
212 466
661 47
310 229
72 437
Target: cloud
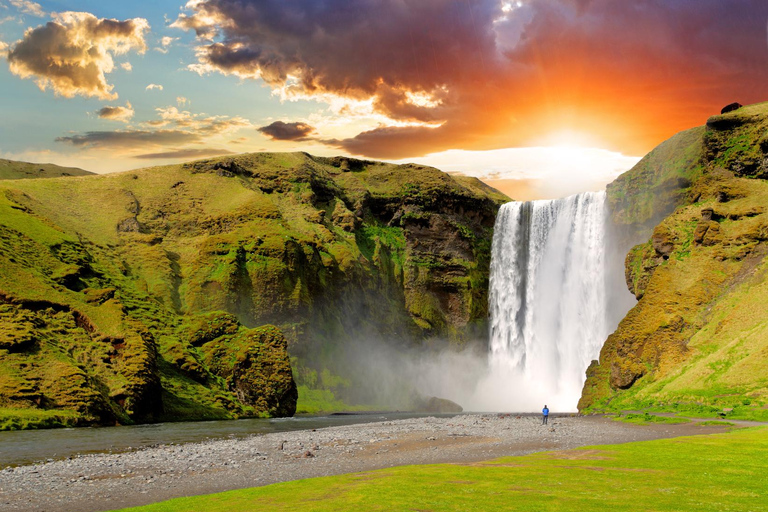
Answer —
152 87
129 139
200 123
28 7
170 133
482 74
127 66
123 114
184 153
72 53
182 101
280 130
165 43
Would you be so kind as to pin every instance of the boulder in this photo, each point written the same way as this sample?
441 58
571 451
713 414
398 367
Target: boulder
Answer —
440 405
731 107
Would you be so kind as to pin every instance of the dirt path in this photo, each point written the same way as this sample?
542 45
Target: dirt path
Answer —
94 483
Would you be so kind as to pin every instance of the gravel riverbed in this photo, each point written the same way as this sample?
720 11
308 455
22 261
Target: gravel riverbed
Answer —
99 482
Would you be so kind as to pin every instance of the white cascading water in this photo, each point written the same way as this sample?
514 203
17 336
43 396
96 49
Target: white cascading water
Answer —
548 302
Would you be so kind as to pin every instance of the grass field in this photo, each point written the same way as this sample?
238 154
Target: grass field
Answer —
718 472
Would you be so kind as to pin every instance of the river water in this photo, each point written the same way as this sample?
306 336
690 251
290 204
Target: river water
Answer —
29 446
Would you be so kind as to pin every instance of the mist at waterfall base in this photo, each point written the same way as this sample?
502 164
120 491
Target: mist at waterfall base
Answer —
557 291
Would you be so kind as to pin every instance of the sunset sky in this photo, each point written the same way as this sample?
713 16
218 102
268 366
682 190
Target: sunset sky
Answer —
539 97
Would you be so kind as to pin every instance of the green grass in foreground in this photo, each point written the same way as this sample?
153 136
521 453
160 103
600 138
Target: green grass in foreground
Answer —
716 423
645 419
717 472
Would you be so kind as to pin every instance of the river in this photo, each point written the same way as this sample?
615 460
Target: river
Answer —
29 446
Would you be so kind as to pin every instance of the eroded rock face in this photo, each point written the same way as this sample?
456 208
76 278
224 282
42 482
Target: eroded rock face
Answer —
53 348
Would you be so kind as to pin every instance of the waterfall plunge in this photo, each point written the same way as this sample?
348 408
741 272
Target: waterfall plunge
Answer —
548 303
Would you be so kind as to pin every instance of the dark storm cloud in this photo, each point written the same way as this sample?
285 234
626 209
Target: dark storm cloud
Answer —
500 75
287 131
340 45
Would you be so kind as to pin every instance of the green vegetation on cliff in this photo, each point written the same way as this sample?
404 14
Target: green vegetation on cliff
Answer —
705 472
697 340
147 295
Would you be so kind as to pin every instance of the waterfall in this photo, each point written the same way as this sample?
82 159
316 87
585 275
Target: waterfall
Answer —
548 301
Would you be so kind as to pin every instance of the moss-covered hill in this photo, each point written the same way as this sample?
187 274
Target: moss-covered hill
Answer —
151 294
697 340
13 170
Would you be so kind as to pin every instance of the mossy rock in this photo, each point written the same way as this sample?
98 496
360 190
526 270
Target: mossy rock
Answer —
256 366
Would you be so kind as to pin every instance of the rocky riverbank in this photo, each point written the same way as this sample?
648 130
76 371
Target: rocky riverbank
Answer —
98 482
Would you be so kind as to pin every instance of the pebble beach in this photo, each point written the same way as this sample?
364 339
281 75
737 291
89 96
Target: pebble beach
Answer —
109 481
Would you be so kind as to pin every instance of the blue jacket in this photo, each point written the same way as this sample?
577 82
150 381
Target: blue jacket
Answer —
545 411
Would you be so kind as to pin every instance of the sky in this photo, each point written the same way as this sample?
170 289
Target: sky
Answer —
540 98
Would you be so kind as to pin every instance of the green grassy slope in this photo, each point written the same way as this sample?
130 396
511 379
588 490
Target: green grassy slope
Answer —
698 338
139 295
701 473
13 170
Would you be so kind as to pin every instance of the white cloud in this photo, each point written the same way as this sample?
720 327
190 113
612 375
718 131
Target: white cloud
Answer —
127 66
28 7
166 43
182 101
199 123
152 87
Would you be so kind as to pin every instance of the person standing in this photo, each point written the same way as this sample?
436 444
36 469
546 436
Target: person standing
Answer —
544 415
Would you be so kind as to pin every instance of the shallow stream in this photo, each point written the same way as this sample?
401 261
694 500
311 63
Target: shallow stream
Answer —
29 446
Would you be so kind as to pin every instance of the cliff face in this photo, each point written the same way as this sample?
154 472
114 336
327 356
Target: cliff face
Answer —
179 292
697 340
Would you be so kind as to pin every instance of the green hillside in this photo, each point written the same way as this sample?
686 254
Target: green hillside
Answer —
151 295
697 340
12 170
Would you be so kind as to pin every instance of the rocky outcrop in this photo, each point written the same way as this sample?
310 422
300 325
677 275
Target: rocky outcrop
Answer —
437 405
700 278
256 367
